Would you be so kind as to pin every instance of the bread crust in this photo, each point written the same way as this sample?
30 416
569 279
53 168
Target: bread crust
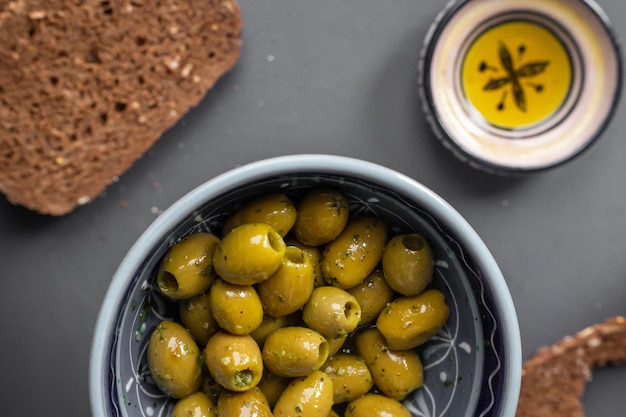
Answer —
88 86
554 379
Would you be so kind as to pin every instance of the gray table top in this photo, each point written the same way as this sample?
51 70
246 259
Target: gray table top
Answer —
324 76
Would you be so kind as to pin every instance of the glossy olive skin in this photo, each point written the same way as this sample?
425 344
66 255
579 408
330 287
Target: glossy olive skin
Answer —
275 209
249 254
315 256
294 351
195 314
250 403
270 323
234 361
408 263
310 396
351 376
273 386
408 322
195 405
396 373
174 360
187 268
335 344
210 387
236 308
375 405
353 255
372 294
322 216
287 289
331 311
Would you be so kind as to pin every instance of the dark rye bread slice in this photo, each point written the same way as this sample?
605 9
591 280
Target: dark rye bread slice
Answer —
554 379
86 87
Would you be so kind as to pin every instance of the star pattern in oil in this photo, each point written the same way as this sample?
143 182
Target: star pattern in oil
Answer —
514 76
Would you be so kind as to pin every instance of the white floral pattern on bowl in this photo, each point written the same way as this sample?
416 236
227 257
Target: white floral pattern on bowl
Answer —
465 372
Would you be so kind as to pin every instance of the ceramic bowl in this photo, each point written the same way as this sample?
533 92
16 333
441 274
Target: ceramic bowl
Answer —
472 366
520 86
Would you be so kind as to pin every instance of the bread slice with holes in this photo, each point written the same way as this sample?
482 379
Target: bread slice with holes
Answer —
86 87
554 379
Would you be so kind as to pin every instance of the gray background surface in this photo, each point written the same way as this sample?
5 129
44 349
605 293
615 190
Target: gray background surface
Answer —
323 76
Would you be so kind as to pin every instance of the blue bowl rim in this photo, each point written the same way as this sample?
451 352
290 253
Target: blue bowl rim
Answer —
106 322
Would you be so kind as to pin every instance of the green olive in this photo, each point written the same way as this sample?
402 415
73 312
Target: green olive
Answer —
351 376
375 405
408 322
195 405
335 344
309 396
210 387
322 215
372 294
174 360
236 308
273 386
250 403
195 314
353 255
187 268
315 256
275 209
396 373
234 361
408 263
333 413
270 323
331 311
294 351
290 286
249 254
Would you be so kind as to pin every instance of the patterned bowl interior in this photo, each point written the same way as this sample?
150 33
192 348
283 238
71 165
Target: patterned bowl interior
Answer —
463 362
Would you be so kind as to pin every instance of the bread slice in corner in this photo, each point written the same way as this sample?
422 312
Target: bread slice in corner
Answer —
86 87
554 379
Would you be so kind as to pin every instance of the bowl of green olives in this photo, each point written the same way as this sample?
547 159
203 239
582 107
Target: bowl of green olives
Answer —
307 285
